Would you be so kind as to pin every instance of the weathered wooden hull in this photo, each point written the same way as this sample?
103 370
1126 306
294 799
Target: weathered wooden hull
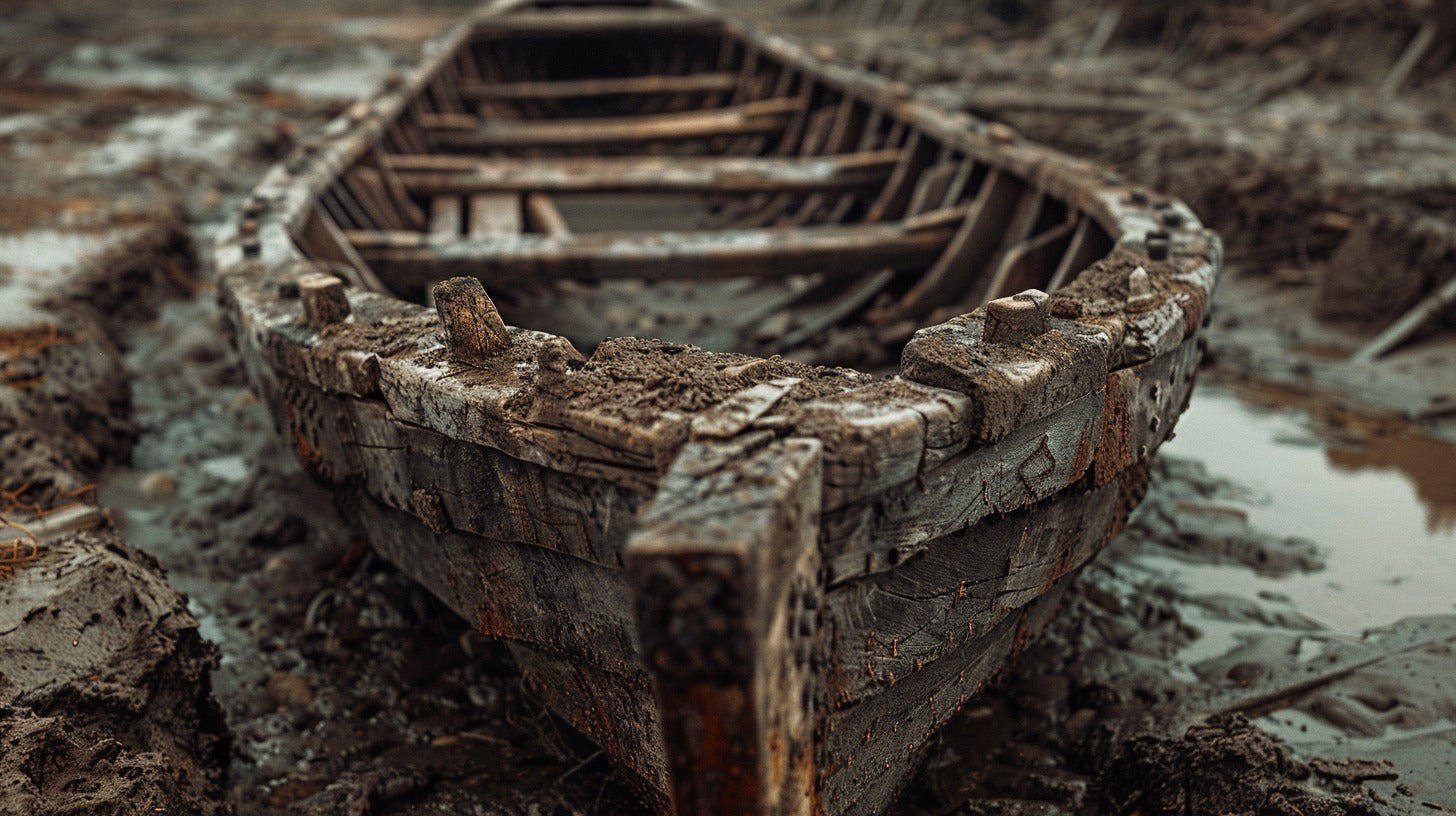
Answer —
761 585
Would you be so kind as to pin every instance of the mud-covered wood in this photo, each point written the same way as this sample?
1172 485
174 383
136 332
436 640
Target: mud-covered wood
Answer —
724 573
474 332
1014 374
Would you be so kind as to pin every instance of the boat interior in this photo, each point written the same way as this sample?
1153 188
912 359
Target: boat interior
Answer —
572 158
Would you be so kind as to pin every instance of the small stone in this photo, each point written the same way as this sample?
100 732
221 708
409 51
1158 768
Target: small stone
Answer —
159 484
289 690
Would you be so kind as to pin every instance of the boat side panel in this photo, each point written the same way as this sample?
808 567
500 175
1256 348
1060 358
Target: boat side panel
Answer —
1013 566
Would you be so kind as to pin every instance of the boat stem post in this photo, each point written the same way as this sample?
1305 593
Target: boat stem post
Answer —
724 570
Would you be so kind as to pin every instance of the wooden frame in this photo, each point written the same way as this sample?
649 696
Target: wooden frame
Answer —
711 582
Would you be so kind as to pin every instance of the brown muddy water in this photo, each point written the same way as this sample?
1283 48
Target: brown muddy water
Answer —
1381 509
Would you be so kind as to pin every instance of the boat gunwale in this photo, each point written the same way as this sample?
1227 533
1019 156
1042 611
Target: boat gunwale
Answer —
256 253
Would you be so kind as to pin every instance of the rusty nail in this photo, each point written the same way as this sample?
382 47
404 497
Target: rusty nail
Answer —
474 331
324 301
1016 319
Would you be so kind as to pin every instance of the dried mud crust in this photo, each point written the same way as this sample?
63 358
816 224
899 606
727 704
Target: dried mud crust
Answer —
105 704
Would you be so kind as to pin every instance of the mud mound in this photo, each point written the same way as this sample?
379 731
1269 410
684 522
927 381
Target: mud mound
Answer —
1222 765
105 704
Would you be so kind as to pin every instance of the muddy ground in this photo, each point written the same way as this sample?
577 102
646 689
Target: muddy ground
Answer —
1273 634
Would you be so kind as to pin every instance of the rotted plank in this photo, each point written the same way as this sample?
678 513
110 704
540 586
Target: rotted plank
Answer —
615 711
583 613
457 175
1014 376
455 132
412 259
588 88
872 746
723 571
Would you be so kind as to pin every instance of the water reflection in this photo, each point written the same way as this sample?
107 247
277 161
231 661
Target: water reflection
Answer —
1379 500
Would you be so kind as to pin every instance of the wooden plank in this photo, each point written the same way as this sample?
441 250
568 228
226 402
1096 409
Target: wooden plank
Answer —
839 139
723 571
579 21
447 218
324 241
893 201
1078 255
495 215
611 86
429 175
413 216
411 259
1010 383
455 132
934 607
1028 265
932 187
956 271
1023 221
543 216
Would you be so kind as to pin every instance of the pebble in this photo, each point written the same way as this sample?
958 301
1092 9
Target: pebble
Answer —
288 690
159 484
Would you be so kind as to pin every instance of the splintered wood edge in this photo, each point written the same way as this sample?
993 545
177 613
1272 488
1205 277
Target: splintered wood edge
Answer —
391 351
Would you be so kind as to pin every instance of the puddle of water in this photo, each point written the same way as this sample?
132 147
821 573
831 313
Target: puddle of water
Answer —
1383 512
49 249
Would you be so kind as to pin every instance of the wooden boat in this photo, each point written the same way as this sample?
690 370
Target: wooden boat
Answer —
759 584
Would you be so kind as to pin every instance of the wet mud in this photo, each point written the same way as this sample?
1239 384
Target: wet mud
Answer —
1274 632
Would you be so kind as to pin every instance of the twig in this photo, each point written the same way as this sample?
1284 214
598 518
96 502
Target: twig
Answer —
1409 59
1408 324
1265 702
